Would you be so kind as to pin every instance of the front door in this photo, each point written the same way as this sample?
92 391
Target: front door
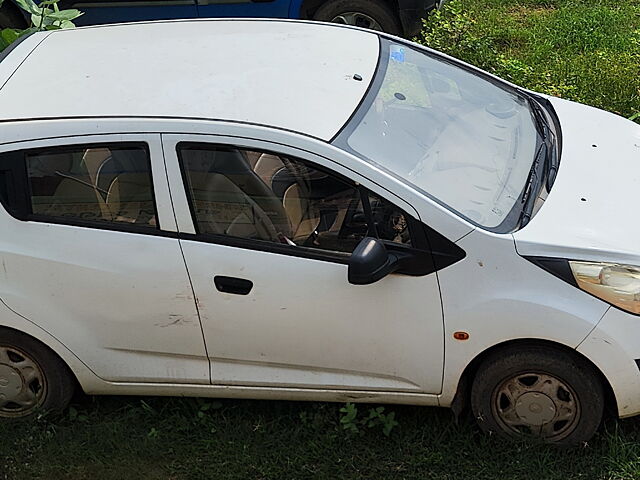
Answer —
267 253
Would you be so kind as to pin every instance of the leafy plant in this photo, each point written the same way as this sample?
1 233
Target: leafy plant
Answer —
583 51
43 16
376 418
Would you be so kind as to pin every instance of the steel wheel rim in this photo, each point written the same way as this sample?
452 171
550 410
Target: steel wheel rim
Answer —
358 19
22 383
536 404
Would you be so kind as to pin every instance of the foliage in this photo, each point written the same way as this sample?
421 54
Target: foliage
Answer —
376 418
582 50
43 16
120 438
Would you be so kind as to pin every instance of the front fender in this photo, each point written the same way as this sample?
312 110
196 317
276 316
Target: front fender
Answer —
497 296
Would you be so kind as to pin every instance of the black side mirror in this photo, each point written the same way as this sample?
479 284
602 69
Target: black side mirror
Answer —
370 262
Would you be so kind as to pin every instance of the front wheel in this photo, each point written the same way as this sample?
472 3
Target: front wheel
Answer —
538 391
371 14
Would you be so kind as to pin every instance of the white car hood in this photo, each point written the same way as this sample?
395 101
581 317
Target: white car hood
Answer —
592 212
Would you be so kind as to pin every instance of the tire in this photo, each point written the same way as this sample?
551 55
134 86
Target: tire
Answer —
33 379
360 13
538 391
10 17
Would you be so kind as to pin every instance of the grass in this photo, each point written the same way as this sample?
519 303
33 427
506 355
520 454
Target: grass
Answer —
582 50
587 51
159 438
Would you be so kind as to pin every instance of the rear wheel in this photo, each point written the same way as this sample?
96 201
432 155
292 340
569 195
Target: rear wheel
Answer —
371 14
32 377
538 391
10 17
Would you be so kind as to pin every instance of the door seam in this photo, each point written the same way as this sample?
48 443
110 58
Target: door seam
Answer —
184 260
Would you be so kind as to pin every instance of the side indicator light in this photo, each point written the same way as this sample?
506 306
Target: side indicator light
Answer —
461 336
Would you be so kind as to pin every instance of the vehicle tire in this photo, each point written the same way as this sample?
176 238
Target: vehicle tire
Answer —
32 377
10 17
373 14
539 391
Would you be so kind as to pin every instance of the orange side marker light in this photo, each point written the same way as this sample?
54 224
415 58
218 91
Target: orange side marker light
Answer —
461 336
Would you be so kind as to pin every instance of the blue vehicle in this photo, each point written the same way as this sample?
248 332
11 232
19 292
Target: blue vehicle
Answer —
399 17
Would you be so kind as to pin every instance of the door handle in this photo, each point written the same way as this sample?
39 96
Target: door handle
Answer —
233 285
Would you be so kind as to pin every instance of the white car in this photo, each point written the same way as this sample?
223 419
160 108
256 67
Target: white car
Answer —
290 210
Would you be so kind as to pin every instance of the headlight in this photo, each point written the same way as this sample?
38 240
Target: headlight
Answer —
616 284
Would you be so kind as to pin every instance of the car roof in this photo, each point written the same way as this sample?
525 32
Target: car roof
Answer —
299 76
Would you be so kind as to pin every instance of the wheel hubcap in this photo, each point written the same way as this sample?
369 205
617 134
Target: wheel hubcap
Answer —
536 404
357 19
22 385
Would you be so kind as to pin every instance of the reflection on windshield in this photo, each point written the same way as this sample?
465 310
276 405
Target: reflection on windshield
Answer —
459 138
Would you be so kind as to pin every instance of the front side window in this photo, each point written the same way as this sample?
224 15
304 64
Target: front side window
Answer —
273 198
102 184
459 138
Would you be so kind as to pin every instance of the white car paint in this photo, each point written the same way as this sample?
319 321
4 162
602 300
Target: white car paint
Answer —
244 71
494 293
595 190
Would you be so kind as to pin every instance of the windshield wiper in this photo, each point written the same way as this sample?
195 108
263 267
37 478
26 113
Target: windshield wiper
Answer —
548 140
534 182
545 163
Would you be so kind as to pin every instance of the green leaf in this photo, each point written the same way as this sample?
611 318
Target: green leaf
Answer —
9 35
69 14
27 31
28 6
67 24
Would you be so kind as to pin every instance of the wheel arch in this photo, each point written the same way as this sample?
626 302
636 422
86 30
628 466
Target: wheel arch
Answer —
309 7
461 398
84 377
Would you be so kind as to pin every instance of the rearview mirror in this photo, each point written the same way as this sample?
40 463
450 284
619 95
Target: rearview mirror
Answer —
370 262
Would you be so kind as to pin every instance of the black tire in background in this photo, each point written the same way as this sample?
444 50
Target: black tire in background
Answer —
378 11
10 16
27 364
540 391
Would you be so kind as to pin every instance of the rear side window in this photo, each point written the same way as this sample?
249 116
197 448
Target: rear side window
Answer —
86 185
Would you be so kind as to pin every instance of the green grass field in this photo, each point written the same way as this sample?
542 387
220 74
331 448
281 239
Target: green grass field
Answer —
587 51
158 438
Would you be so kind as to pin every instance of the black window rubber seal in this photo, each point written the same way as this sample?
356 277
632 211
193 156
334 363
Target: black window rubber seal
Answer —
5 53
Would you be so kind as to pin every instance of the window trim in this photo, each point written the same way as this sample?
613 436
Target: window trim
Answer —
18 166
417 232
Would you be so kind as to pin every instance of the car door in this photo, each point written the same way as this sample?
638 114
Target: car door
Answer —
97 12
90 254
244 8
266 238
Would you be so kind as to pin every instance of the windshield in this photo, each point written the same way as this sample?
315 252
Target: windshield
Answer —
459 138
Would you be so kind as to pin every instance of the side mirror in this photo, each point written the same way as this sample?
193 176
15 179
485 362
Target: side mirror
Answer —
371 262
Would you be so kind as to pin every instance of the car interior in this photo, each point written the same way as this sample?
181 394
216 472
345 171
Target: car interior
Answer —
93 184
233 192
260 195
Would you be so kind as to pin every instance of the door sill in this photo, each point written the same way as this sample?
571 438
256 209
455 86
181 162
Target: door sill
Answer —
263 393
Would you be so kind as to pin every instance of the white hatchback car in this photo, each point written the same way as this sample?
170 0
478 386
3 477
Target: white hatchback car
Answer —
289 210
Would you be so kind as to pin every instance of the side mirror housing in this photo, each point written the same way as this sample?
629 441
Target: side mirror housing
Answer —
371 262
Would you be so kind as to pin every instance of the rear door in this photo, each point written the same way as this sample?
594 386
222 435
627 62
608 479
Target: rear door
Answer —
89 253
